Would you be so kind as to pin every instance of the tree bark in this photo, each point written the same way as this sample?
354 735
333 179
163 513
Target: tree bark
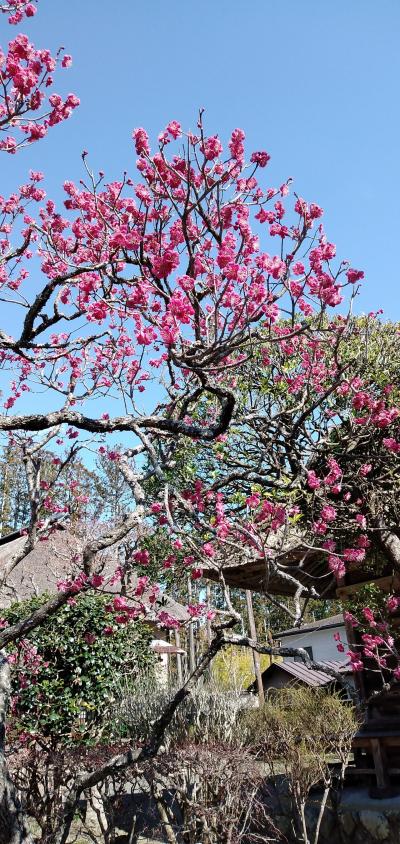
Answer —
163 812
13 827
390 544
179 671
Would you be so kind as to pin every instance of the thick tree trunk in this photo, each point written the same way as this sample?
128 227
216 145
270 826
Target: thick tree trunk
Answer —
390 544
385 537
13 827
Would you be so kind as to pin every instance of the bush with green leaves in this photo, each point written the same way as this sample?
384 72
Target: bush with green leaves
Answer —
65 672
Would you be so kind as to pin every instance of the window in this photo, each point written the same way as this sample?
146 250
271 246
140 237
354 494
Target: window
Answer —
307 648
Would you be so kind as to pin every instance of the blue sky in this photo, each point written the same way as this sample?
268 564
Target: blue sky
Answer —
315 83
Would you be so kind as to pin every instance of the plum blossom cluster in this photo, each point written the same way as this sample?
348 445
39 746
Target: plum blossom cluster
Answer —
177 275
27 111
346 501
375 411
128 609
80 582
375 646
123 609
18 9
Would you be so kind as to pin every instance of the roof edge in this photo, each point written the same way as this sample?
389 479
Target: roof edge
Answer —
309 628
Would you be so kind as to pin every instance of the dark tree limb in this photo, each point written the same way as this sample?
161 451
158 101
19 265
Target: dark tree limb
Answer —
40 422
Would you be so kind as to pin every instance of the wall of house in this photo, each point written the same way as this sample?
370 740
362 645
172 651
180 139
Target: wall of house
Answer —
322 642
162 669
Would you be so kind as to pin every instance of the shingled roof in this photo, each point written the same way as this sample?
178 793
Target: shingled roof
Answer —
50 561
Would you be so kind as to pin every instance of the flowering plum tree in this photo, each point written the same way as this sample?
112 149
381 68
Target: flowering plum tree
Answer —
137 307
311 462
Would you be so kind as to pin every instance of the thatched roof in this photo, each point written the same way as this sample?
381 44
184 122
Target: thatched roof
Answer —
58 558
50 561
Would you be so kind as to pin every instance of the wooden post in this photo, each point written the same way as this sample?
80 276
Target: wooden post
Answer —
179 671
192 655
380 763
208 622
256 656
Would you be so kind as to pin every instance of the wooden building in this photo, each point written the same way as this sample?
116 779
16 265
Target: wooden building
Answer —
279 675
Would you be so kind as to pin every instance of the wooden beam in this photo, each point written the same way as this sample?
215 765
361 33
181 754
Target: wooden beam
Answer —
379 757
386 584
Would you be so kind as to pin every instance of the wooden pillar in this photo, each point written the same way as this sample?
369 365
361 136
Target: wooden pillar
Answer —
256 656
208 622
192 655
179 671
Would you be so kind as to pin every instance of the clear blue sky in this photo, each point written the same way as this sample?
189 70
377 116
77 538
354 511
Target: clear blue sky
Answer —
315 82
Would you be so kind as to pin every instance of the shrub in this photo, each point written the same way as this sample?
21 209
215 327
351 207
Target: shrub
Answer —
66 671
217 794
301 732
207 715
207 787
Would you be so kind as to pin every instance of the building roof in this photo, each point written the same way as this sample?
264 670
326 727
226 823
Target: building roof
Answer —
294 557
58 558
159 646
309 676
50 561
305 564
321 624
169 605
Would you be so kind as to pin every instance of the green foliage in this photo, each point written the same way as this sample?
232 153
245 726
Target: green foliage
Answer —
233 668
367 595
64 690
14 500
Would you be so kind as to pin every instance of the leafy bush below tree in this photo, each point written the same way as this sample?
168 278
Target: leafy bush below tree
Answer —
65 672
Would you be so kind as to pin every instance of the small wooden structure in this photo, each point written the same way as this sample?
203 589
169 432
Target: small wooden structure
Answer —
279 675
377 744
